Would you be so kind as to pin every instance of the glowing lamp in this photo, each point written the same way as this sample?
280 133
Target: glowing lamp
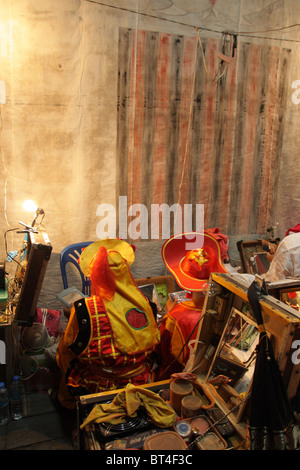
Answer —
30 206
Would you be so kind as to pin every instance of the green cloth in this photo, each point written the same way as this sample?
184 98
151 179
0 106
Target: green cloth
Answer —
127 403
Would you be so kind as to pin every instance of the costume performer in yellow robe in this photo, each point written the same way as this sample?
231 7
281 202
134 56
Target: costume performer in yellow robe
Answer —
110 336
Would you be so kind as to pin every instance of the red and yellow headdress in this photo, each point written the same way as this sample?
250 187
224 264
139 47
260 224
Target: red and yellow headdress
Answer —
191 257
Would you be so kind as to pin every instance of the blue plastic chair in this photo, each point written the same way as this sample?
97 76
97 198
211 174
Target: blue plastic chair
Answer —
71 254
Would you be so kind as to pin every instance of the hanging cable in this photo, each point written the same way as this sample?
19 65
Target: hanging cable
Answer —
224 31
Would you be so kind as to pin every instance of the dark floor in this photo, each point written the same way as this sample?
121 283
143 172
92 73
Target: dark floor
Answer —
46 426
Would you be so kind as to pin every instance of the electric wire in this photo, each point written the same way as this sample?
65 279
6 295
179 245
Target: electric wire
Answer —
6 250
211 30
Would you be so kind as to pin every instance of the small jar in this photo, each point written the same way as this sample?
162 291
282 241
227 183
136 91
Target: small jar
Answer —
183 428
179 389
190 406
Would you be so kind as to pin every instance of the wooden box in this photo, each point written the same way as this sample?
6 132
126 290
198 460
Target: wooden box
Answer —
253 257
286 290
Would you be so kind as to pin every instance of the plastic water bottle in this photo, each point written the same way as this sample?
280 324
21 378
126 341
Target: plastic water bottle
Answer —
16 399
4 405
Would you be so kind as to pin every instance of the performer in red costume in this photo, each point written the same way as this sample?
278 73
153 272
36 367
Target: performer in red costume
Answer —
110 336
191 263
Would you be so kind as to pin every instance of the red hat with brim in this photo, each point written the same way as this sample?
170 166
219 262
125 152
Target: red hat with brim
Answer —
176 250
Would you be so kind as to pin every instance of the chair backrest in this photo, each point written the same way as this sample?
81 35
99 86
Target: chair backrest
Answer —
71 254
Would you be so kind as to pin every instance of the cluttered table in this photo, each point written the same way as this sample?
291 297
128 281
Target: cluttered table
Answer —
176 414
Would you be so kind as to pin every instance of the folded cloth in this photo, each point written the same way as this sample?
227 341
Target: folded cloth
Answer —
127 403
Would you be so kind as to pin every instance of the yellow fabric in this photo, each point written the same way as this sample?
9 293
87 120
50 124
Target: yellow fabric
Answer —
127 296
127 403
120 246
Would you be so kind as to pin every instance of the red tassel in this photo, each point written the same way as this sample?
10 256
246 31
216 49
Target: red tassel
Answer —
102 277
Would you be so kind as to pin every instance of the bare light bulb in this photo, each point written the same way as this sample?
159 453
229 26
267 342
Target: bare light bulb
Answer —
30 206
